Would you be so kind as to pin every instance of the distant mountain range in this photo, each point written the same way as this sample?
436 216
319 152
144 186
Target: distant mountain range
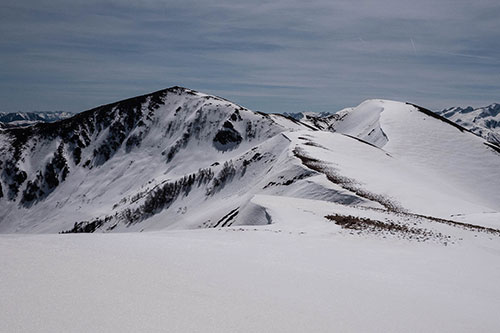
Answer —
483 121
29 118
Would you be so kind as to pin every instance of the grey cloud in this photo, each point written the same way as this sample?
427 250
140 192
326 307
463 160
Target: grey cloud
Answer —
267 55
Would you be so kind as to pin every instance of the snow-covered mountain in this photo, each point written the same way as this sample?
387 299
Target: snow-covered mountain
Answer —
29 118
483 121
257 222
180 159
120 165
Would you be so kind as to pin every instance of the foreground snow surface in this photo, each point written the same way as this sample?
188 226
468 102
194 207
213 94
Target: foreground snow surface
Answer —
247 279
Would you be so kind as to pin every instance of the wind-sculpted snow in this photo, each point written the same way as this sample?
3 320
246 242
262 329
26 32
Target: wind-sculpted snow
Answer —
181 159
364 123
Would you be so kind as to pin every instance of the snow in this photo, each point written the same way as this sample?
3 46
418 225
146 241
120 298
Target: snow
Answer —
414 255
487 219
363 122
90 193
246 279
385 148
428 166
460 158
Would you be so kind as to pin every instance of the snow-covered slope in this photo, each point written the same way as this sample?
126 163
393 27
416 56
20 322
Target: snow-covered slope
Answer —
387 219
171 157
180 159
483 121
425 163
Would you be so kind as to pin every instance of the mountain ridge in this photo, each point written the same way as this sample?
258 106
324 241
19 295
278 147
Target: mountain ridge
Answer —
177 158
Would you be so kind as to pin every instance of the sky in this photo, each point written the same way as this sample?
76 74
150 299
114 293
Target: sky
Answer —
271 56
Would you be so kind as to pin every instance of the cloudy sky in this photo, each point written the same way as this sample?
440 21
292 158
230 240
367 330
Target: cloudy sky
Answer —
272 56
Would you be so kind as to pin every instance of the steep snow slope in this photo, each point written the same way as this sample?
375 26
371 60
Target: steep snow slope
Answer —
484 121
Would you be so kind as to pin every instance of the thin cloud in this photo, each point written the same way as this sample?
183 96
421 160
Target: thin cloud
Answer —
268 55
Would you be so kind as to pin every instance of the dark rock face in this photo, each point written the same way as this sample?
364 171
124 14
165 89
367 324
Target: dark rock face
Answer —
227 139
13 178
44 183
